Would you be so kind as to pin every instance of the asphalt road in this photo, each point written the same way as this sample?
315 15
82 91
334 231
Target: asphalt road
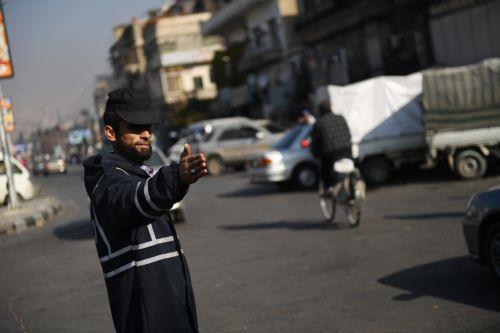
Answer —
262 261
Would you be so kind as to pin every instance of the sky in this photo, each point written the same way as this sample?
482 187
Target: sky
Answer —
58 47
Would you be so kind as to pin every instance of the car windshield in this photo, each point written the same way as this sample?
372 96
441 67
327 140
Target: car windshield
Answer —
289 138
274 128
199 132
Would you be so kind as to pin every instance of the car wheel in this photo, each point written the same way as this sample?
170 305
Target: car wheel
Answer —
215 165
376 170
492 249
305 177
470 164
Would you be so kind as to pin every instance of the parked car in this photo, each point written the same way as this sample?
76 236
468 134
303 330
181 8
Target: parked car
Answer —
289 161
228 142
54 163
481 228
157 160
22 180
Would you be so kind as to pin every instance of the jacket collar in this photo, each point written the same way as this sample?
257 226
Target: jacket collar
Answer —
124 163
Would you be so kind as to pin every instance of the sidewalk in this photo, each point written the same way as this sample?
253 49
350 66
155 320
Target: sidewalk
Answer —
32 213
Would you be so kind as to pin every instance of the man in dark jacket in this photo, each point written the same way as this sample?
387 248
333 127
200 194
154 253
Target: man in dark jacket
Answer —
331 141
146 274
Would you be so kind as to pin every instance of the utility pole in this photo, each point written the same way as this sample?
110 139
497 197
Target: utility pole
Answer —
7 71
13 202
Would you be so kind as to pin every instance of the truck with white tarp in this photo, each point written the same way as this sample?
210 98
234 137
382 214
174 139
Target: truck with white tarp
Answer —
450 115
386 122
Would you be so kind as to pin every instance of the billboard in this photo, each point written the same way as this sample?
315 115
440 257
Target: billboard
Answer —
80 136
6 68
8 114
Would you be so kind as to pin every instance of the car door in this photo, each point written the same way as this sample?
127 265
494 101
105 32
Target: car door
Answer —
231 144
259 141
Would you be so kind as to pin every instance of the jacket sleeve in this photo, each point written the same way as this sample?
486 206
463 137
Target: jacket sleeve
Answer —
126 199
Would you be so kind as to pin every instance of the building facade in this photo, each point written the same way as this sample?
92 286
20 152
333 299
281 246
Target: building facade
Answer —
351 40
261 44
127 55
464 32
178 59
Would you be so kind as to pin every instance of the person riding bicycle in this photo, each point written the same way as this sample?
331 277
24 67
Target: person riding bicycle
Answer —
331 141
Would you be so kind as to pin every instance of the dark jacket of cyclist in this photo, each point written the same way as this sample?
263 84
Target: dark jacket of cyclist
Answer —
331 141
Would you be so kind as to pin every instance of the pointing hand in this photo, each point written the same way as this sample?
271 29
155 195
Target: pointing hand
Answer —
191 167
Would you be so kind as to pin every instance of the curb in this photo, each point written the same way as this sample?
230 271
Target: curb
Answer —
35 214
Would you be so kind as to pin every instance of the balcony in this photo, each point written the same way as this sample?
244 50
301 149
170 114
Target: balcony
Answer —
258 56
227 15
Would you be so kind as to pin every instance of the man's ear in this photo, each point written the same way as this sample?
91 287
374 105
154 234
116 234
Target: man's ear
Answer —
110 133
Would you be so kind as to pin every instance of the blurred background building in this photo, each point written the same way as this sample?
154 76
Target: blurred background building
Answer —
266 59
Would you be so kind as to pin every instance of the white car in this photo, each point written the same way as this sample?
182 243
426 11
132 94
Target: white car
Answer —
22 181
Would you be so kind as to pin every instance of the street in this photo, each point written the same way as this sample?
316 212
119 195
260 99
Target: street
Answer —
262 261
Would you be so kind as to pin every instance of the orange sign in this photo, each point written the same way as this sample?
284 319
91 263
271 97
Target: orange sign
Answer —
8 114
6 68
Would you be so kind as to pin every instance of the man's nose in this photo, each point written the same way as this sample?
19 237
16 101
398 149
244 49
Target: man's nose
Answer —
146 134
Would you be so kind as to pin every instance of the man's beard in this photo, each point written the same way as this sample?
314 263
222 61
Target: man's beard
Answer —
132 153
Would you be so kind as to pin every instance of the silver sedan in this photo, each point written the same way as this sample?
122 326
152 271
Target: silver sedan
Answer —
288 162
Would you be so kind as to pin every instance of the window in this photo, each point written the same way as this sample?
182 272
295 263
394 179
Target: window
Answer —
229 134
174 82
247 132
258 35
15 168
274 128
198 82
3 169
168 46
273 31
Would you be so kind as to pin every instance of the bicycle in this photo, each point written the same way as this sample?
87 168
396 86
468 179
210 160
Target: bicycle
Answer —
349 192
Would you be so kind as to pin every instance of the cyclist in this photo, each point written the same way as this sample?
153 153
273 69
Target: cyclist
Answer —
331 141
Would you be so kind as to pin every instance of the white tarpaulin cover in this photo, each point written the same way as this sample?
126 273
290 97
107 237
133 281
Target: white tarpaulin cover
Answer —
379 108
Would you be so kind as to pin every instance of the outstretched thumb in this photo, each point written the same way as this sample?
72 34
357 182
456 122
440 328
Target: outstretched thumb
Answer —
186 151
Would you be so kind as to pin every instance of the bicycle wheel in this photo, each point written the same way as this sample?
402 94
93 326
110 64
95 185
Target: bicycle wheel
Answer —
328 206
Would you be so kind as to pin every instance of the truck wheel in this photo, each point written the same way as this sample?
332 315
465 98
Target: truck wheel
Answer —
305 177
215 165
470 164
376 170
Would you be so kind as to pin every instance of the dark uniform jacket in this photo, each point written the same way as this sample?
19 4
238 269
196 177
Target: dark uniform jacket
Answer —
331 136
145 271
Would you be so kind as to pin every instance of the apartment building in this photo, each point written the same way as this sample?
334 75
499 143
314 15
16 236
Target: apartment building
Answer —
261 46
127 56
178 59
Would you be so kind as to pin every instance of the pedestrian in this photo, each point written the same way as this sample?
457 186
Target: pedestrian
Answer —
145 270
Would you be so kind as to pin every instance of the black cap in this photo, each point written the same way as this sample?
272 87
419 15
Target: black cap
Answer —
133 106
